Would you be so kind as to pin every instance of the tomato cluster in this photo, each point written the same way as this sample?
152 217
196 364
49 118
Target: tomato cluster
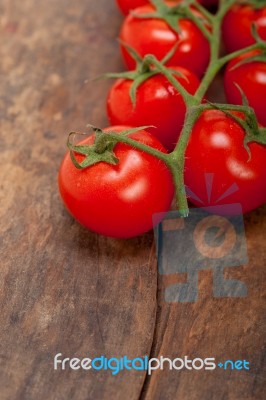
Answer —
120 199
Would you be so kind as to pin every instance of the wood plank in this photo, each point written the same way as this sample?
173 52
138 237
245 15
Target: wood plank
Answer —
63 289
224 328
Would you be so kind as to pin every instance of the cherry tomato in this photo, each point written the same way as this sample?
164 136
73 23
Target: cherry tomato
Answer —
251 77
157 103
118 200
237 26
155 36
216 147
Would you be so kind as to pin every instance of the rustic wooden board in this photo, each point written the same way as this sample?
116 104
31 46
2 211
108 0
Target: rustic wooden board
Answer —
64 289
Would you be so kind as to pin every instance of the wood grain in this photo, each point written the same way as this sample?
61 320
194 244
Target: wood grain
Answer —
64 289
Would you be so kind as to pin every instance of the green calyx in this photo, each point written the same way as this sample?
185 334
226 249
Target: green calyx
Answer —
93 154
102 150
145 69
171 15
253 133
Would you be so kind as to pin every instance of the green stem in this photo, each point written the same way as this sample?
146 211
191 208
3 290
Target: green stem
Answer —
188 98
177 157
209 17
214 66
224 60
198 22
193 113
135 144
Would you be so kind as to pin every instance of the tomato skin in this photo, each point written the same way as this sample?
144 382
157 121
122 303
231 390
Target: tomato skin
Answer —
157 103
251 77
118 200
127 5
216 146
236 28
154 36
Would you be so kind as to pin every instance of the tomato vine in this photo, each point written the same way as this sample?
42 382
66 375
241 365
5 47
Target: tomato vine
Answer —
102 150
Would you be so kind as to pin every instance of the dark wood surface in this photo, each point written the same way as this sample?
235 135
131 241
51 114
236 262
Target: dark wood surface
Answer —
64 289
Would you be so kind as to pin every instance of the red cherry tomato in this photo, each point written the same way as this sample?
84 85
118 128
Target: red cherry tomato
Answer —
154 36
237 26
251 77
118 200
157 103
216 147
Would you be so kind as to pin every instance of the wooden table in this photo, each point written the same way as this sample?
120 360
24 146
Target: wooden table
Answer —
66 290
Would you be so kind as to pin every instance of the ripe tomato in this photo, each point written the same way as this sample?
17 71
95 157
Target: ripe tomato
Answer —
118 200
251 77
154 36
216 146
157 103
237 26
127 5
